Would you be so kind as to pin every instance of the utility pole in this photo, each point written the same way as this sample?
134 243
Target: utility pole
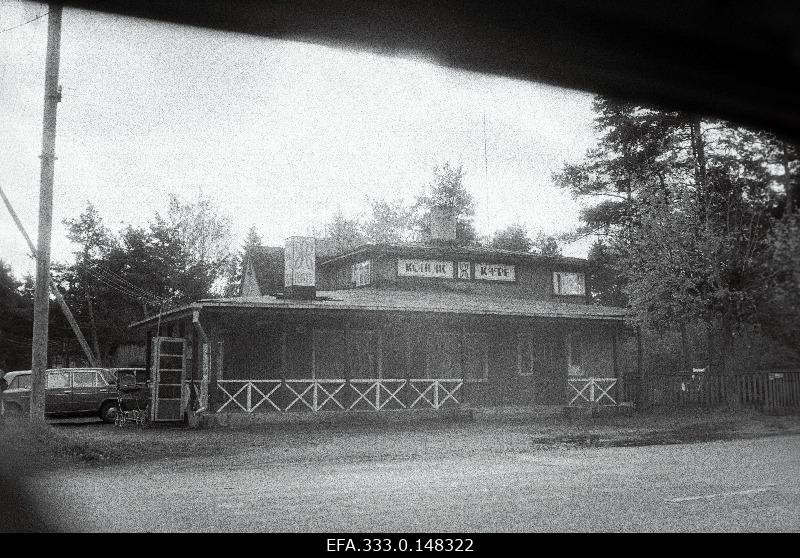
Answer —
41 301
486 175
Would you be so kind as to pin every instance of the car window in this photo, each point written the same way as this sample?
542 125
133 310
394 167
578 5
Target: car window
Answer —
100 380
21 382
57 380
83 378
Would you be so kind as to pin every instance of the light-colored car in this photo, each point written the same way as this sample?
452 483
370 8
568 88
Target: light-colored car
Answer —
69 392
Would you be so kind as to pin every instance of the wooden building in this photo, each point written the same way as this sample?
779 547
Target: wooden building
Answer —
384 327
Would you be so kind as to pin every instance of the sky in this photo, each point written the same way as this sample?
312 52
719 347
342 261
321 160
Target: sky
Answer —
279 134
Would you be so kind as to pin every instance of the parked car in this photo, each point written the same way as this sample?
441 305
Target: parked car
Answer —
68 392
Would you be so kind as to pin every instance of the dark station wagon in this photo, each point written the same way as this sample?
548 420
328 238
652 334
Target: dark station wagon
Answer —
69 392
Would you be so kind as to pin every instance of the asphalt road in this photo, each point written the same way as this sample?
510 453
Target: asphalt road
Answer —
741 485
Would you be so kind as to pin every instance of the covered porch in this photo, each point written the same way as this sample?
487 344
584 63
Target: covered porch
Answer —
308 357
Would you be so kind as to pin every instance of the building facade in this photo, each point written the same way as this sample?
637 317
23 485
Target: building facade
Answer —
384 327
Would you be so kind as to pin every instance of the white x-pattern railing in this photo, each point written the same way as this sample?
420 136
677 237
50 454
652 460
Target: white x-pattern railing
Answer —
330 394
591 391
247 387
434 392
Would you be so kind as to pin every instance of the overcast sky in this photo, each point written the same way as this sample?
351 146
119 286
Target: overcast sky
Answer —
280 134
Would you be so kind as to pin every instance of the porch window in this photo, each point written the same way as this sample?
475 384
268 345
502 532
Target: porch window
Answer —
330 354
574 348
476 356
535 354
444 356
364 353
394 353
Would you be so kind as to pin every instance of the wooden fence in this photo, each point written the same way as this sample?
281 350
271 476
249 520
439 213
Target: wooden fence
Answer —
768 390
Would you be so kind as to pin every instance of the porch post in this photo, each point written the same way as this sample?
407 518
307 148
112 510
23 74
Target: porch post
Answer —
407 363
284 362
463 356
314 396
380 364
348 369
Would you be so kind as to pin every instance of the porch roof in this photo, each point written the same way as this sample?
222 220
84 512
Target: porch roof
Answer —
378 300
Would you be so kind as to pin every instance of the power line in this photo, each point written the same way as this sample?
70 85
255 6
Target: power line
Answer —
130 285
125 291
24 22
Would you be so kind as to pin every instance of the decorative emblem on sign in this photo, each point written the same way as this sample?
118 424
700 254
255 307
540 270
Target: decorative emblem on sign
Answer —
360 273
464 270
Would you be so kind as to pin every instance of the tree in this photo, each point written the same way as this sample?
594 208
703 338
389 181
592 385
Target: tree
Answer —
514 237
686 205
545 245
389 222
95 241
447 191
202 231
345 233
607 283
16 314
780 273
235 269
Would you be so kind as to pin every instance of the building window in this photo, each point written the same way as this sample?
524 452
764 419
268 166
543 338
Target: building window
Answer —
574 354
569 283
535 355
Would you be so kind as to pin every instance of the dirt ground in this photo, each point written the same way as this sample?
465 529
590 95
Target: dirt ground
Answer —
706 471
95 444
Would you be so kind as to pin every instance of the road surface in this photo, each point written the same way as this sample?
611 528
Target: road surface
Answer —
739 485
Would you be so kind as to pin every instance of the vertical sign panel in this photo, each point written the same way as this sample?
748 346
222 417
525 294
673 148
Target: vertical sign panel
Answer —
299 262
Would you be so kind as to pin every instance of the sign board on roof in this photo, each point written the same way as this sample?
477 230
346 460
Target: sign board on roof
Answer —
299 262
495 272
425 268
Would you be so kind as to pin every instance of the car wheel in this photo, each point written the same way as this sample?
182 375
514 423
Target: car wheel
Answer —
109 411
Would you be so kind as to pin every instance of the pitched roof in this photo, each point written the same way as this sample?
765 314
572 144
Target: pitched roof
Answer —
379 300
267 262
447 250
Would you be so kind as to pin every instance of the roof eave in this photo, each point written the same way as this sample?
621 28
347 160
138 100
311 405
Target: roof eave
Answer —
169 315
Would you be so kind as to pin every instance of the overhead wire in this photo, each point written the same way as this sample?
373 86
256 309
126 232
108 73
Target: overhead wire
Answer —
40 16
